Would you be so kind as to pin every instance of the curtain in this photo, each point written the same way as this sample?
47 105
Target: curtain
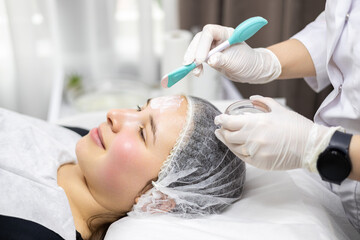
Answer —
27 60
286 17
7 71
45 43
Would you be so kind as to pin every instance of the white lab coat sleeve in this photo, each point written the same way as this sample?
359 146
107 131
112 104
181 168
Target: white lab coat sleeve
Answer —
313 36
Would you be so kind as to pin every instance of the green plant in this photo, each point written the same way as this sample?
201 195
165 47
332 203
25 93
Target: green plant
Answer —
74 82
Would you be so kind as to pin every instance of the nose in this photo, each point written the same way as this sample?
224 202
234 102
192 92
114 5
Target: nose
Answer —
116 118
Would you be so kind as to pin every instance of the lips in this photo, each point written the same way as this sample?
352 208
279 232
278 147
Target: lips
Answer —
101 137
95 135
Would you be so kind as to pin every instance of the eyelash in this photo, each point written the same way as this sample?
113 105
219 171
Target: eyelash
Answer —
141 129
141 132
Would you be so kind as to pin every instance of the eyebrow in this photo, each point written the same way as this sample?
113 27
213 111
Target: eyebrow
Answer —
152 123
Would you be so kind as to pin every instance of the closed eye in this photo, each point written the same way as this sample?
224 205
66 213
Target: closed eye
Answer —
141 132
141 129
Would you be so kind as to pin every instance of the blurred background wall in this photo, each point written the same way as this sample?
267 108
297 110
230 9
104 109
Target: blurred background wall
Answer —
47 44
286 17
50 46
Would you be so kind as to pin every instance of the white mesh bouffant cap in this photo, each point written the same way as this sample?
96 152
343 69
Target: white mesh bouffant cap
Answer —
201 175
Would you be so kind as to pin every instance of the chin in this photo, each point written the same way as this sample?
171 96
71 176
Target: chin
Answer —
80 149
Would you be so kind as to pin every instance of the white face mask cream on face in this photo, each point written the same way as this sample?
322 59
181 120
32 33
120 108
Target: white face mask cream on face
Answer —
166 103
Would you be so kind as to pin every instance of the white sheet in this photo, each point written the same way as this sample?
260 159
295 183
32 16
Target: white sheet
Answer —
275 205
30 154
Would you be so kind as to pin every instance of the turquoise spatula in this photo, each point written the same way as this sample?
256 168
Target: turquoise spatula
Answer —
242 33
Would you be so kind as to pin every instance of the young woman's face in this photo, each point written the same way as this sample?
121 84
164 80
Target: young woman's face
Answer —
123 155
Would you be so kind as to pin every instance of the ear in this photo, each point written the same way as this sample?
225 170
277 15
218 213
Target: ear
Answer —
166 205
163 204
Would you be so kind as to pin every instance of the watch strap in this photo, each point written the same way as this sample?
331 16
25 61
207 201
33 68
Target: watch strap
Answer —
340 141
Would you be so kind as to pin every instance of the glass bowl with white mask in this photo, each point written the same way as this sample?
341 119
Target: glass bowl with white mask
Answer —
246 106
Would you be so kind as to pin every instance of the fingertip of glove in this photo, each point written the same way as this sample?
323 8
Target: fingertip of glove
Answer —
256 97
197 71
187 61
269 102
218 135
219 119
214 60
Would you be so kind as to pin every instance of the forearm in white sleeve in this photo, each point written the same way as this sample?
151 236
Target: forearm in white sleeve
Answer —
313 36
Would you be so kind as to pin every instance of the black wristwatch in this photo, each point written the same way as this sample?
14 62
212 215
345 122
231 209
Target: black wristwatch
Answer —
334 164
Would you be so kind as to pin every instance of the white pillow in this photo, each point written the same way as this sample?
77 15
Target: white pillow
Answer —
275 205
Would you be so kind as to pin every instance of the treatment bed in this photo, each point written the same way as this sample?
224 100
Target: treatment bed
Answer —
275 205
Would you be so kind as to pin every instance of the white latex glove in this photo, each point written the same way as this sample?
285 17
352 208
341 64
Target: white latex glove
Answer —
277 140
239 62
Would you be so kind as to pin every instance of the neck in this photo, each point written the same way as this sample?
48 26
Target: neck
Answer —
83 205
